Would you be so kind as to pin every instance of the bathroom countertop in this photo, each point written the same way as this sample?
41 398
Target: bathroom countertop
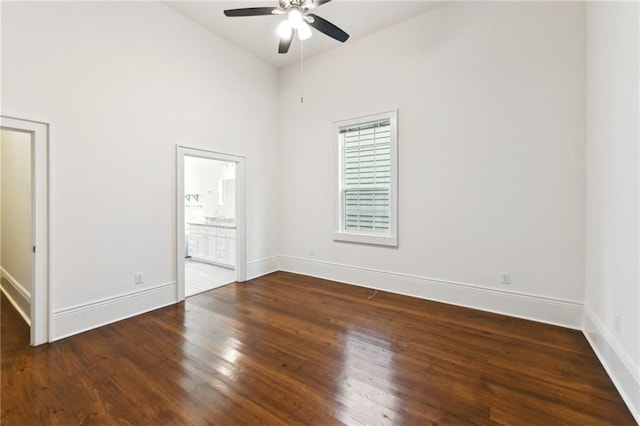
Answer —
213 225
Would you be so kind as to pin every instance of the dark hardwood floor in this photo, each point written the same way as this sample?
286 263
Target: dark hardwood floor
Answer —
290 349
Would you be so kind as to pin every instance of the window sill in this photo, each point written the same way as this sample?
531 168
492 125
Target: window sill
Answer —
378 240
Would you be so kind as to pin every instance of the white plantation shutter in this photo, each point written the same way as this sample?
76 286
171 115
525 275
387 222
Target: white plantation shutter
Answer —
366 177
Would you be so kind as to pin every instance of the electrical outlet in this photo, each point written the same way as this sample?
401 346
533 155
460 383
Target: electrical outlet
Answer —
506 278
617 323
139 277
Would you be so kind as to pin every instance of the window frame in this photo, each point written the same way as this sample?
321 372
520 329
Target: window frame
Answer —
339 232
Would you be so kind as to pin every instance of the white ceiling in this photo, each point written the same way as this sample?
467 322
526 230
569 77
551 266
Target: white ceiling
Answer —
257 35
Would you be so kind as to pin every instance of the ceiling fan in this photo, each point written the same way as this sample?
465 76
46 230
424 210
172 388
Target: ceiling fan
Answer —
298 21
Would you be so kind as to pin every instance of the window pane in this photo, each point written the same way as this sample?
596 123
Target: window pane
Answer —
367 156
367 210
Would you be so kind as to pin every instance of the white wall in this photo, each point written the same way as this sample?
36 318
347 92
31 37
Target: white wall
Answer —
121 85
613 191
491 156
16 223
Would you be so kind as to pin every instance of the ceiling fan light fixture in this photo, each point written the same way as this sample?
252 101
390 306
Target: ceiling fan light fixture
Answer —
295 17
284 30
304 31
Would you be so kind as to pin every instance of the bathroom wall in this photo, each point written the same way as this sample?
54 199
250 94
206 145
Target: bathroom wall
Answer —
210 189
15 223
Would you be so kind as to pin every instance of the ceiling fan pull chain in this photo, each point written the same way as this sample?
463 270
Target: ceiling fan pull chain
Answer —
301 73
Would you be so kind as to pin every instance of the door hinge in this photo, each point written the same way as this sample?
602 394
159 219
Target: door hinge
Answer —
34 249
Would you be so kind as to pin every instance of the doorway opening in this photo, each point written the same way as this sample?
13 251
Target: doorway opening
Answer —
24 222
210 213
210 223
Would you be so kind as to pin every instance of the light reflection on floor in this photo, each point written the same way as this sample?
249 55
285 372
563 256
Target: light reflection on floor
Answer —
366 384
201 276
231 355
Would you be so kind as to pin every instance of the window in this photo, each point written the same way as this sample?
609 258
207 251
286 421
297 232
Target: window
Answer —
366 153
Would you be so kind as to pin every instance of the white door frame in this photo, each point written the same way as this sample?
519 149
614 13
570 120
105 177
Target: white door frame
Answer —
40 302
181 153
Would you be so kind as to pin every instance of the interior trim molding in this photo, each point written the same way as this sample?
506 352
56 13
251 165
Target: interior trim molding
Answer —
182 152
260 267
19 296
619 365
564 313
84 317
40 303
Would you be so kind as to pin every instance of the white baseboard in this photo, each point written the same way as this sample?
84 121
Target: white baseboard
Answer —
261 267
77 319
564 313
19 296
620 366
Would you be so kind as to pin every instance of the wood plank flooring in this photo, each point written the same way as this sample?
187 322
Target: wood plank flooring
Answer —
290 349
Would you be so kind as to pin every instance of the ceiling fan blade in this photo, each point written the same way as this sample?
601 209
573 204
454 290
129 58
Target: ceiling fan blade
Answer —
250 11
284 45
328 28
